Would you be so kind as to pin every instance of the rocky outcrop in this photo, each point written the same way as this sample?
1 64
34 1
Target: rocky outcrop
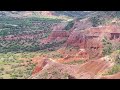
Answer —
89 70
57 32
84 36
91 39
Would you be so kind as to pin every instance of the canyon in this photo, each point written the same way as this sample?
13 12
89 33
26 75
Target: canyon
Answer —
88 41
63 45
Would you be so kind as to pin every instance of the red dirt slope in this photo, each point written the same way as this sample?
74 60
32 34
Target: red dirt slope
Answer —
89 70
93 69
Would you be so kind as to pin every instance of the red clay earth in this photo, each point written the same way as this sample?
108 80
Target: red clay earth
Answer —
86 37
88 40
39 66
89 70
72 55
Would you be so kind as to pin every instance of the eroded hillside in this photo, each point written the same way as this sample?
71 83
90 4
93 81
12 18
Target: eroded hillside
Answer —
59 44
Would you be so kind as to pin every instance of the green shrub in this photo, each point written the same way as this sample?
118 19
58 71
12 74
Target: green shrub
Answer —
69 25
58 56
2 69
97 20
75 62
115 69
107 48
